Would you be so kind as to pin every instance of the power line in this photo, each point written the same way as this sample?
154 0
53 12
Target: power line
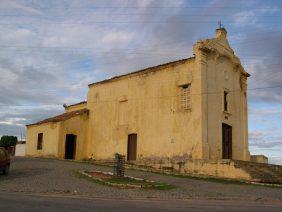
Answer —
89 7
151 46
164 97
122 22
140 14
114 52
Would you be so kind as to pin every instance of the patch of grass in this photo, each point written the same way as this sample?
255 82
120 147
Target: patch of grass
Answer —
126 181
200 178
162 186
146 184
77 174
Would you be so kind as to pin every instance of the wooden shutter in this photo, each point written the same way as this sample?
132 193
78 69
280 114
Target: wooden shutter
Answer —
185 97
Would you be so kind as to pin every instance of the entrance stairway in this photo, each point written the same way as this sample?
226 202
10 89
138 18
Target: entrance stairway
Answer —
260 172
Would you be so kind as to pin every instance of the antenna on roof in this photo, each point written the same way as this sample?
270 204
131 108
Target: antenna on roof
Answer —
219 24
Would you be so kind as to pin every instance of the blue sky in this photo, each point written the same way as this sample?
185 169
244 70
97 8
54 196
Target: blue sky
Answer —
51 50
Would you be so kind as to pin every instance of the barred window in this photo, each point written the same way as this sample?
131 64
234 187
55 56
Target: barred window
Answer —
185 98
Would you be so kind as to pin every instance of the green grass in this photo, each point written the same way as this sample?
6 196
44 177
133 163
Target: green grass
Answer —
126 181
200 178
152 185
77 174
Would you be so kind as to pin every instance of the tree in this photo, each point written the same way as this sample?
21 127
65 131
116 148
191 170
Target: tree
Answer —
7 140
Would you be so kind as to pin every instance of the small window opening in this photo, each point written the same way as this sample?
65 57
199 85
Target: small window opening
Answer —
225 96
39 141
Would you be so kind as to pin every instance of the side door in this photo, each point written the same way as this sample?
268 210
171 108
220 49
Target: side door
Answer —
132 147
226 141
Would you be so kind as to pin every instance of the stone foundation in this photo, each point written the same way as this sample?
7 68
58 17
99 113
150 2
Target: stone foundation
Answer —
186 165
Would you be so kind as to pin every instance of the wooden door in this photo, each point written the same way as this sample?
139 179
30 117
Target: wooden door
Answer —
226 141
132 147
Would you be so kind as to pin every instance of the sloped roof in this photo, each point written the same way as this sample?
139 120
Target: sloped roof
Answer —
146 70
62 117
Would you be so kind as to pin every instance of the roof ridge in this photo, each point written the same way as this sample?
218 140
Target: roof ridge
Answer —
78 103
62 116
152 68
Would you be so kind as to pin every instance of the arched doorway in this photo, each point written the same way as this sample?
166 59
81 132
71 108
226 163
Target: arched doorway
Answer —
70 146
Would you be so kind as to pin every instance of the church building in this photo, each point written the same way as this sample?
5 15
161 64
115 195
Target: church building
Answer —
194 107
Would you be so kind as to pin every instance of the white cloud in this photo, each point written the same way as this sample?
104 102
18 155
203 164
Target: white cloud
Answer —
265 111
7 78
117 38
16 121
251 17
10 4
244 18
144 3
275 160
19 36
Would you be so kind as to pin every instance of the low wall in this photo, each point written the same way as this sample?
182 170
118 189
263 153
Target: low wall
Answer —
20 150
217 169
221 169
259 159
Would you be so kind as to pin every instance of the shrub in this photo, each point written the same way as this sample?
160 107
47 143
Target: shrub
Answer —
7 141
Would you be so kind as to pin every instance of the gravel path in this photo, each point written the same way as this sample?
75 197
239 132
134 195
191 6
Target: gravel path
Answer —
33 175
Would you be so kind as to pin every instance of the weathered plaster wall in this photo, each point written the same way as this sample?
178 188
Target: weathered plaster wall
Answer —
221 71
77 126
221 169
216 169
76 107
259 159
54 135
149 105
50 139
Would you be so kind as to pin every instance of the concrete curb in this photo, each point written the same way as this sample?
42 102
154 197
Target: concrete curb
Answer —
118 184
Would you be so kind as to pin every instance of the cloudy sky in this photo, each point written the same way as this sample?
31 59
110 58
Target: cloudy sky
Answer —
50 50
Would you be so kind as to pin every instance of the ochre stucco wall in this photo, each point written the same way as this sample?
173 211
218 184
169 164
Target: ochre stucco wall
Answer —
259 159
149 105
50 139
77 126
199 167
54 136
75 107
222 71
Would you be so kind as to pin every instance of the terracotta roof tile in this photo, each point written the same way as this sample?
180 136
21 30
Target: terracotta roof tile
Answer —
62 117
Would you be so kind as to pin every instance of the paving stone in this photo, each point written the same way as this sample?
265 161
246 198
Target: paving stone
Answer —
56 176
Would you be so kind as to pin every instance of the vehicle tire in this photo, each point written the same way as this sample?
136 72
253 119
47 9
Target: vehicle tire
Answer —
6 170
